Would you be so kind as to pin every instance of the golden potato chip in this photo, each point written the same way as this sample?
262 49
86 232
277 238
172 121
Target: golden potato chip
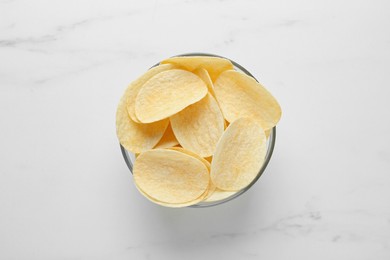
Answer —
214 65
170 176
211 187
136 137
239 155
135 86
204 75
175 205
168 139
199 126
167 93
219 195
241 96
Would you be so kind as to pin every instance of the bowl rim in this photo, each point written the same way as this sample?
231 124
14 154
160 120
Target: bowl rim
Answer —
270 147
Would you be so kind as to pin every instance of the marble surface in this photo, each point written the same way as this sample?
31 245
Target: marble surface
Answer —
65 191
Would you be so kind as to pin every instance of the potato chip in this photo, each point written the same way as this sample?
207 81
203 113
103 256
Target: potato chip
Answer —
239 155
175 205
170 176
199 126
167 93
214 65
168 139
219 195
241 96
135 86
211 187
136 137
204 75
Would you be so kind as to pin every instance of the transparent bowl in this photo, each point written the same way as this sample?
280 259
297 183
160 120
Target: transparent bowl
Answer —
130 157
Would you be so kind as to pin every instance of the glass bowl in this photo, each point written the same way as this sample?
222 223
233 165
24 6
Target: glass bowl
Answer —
130 157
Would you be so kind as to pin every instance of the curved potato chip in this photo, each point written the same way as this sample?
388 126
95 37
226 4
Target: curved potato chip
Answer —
219 195
174 205
135 86
168 139
241 96
204 196
204 75
167 93
137 137
239 155
170 176
211 187
199 126
214 65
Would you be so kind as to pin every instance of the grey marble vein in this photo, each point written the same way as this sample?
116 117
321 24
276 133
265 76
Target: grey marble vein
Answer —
28 40
58 31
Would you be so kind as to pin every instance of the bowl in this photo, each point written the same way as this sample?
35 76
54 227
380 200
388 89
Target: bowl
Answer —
130 157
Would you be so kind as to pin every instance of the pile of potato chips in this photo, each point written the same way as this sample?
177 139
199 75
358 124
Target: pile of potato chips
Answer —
198 128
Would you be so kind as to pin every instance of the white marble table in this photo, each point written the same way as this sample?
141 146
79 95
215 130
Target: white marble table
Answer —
65 191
